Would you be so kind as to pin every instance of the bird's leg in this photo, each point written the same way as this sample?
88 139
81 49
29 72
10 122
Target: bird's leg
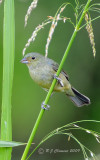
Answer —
59 80
43 106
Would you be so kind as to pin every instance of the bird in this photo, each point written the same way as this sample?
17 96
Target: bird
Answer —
43 70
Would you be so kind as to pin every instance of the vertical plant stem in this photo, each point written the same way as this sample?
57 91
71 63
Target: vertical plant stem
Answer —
54 81
8 69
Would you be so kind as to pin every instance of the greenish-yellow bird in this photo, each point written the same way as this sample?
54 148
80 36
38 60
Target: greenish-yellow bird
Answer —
43 70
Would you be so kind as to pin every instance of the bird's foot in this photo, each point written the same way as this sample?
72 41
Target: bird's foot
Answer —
45 106
59 80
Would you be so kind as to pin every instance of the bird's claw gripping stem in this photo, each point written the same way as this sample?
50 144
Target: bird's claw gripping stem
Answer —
59 80
43 106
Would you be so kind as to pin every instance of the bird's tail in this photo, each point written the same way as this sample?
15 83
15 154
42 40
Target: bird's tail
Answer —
79 99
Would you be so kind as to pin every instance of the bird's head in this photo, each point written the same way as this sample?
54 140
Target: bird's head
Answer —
32 59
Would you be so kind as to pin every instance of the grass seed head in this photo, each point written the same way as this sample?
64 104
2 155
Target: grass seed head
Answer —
89 29
31 7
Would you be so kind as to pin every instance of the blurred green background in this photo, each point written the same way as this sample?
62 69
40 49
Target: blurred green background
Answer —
82 68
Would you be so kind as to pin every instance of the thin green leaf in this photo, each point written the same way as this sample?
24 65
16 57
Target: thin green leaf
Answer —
11 144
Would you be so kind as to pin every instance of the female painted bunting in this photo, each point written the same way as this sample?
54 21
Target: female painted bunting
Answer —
43 70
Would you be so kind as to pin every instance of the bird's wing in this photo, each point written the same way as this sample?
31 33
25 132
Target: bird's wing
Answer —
55 68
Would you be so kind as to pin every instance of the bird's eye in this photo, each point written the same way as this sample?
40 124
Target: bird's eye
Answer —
33 57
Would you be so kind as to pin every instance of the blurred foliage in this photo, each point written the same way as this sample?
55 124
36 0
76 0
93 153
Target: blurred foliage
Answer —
27 96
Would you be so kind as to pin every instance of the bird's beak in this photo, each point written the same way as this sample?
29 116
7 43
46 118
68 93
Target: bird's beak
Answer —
24 60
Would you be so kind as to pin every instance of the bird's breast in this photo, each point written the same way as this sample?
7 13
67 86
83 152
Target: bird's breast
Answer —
42 76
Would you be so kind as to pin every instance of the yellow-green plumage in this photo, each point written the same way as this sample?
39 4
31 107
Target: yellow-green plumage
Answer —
42 71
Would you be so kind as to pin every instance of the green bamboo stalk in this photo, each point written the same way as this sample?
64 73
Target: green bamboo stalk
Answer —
54 81
8 69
